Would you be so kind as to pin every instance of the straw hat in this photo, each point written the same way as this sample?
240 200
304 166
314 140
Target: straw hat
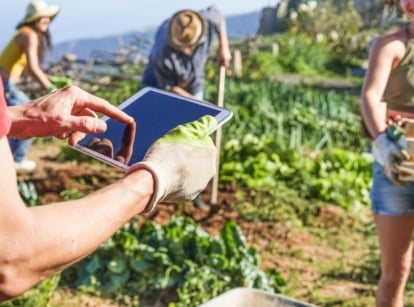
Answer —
38 9
186 29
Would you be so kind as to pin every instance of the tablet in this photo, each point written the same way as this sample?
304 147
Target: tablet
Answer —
155 112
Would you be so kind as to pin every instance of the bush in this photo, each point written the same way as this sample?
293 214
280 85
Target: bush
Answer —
340 27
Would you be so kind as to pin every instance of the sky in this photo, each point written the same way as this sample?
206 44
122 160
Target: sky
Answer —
97 18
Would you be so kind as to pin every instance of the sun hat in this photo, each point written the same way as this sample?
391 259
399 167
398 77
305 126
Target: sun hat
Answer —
38 9
186 29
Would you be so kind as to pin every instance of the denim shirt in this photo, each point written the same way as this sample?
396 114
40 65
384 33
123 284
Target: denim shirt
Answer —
169 67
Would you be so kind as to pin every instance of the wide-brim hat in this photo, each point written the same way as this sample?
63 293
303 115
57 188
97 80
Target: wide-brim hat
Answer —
38 9
185 30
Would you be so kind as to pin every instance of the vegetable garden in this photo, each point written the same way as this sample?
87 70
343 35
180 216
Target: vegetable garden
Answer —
289 151
292 215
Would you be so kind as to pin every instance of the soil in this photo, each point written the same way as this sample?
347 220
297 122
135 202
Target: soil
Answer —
52 177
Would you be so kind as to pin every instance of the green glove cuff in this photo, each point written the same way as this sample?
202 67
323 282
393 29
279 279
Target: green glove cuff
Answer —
193 133
52 89
60 82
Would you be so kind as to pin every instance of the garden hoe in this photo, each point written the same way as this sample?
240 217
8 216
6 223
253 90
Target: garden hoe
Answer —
220 103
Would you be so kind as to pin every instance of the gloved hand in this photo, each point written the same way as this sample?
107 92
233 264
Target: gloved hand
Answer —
182 162
390 155
60 82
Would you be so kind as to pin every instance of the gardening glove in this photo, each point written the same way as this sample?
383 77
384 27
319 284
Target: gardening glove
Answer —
390 155
60 82
182 162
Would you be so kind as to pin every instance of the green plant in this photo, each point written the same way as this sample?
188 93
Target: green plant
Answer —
178 256
339 26
301 54
28 192
308 138
38 296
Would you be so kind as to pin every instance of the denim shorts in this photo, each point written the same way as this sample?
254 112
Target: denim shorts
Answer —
388 198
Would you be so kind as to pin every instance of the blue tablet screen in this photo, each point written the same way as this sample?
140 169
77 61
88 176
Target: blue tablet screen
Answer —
156 112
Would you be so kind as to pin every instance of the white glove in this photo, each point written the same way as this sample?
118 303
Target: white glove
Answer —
182 162
390 155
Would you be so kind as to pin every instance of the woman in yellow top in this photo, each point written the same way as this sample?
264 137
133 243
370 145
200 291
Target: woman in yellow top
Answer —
23 54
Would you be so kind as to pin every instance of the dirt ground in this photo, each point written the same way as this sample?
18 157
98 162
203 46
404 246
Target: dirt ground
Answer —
51 178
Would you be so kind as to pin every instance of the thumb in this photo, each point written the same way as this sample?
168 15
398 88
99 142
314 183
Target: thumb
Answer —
405 154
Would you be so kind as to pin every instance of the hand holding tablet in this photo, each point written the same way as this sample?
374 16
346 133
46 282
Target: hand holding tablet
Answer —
182 162
156 112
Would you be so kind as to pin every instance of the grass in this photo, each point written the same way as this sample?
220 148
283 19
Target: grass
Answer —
330 258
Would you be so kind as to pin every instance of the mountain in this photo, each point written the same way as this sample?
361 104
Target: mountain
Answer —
109 47
244 25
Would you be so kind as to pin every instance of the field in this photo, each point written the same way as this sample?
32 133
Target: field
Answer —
322 244
330 262
318 262
292 215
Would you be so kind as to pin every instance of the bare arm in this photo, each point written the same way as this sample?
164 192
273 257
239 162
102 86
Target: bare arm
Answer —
217 22
381 60
39 241
180 91
29 42
224 53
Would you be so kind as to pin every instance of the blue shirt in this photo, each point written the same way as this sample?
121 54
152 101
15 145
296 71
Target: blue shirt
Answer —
169 67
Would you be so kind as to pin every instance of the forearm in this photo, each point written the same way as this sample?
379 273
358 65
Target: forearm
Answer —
40 77
224 53
57 235
373 115
222 35
180 91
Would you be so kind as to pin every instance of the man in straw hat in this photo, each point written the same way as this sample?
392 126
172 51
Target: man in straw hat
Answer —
181 50
23 54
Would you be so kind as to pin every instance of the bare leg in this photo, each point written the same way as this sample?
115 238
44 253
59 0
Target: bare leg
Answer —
395 234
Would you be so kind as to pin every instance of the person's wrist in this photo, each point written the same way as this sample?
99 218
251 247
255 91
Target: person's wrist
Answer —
21 124
224 48
142 183
149 169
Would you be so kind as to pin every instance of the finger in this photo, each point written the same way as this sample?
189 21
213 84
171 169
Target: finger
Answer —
83 125
401 180
62 136
125 151
400 155
394 177
405 171
86 124
75 137
405 154
84 112
85 100
81 100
